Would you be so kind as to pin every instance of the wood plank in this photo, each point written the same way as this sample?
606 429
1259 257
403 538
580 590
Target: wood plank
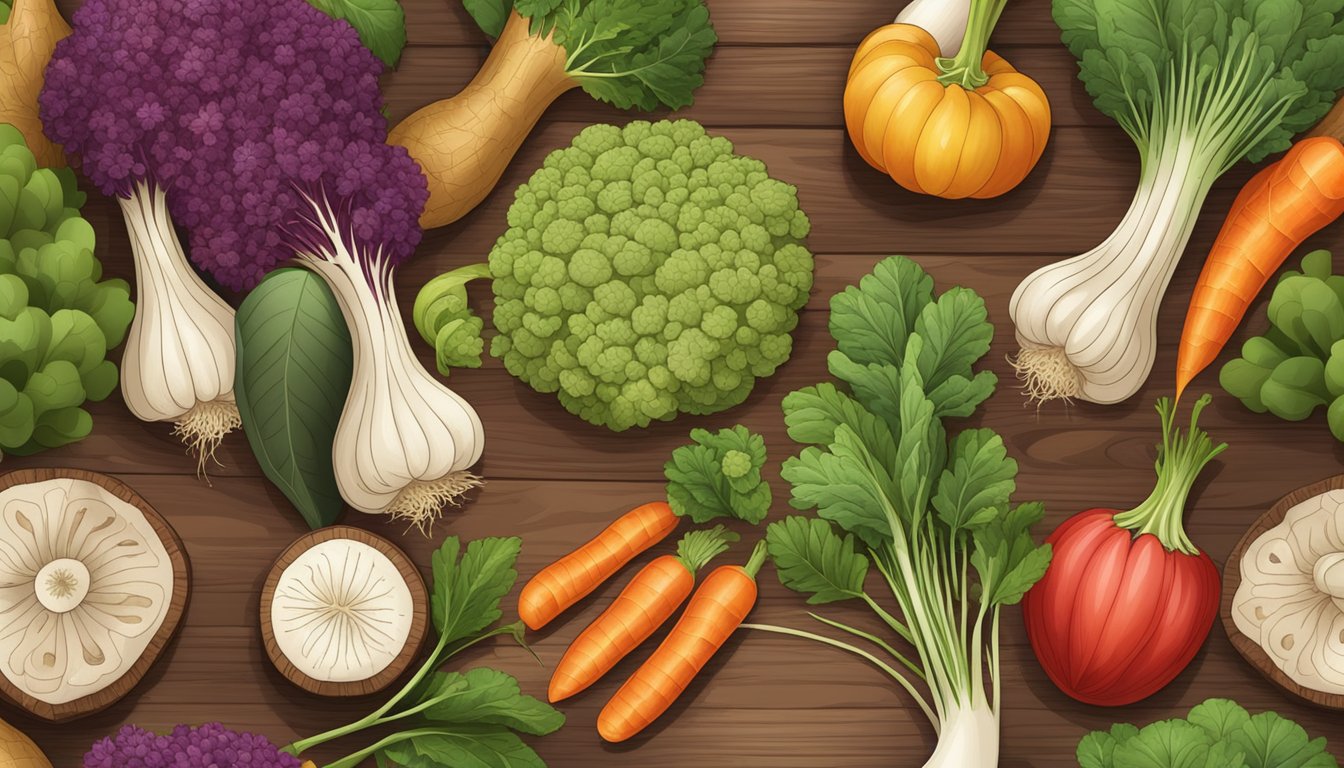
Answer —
749 22
756 691
732 93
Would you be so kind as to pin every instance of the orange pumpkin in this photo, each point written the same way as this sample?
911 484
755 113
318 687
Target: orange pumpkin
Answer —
940 126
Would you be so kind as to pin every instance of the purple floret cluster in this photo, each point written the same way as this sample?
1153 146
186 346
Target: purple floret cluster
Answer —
206 746
244 112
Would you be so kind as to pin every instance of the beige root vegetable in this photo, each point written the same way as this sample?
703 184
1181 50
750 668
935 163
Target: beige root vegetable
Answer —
26 43
464 144
19 751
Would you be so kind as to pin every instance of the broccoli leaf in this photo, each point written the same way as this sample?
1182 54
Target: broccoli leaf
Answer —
468 591
811 558
719 475
485 696
381 24
462 746
295 363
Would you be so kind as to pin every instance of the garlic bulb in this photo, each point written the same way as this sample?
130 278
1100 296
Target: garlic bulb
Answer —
944 19
179 359
405 441
1087 325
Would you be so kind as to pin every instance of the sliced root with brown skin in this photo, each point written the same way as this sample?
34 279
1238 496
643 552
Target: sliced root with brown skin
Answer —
1046 374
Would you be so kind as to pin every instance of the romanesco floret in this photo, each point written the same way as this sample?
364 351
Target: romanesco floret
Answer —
649 271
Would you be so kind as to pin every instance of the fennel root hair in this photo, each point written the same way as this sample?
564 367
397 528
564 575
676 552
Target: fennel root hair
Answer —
203 428
421 502
1046 374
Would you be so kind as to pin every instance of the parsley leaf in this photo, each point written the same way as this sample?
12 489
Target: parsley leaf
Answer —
467 592
487 696
463 747
719 475
810 557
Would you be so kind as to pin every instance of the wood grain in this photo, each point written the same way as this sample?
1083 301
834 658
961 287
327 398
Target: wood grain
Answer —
172 618
1249 648
414 639
767 701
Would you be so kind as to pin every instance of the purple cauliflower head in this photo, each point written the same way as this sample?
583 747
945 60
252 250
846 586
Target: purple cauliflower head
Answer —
206 746
244 111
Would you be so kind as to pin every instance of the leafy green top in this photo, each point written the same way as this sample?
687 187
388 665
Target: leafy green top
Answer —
1238 77
630 53
458 718
881 467
1216 734
381 24
444 319
1298 364
719 475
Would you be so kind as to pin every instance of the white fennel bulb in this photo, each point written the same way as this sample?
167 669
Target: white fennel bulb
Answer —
944 19
1087 326
1225 84
179 360
405 442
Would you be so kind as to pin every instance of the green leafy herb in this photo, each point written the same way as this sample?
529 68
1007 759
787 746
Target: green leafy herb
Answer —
381 24
1216 734
58 317
719 475
467 718
631 53
294 368
444 319
934 514
1297 366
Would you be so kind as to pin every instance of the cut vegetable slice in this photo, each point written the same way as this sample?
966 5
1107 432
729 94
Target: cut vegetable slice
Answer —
93 584
343 612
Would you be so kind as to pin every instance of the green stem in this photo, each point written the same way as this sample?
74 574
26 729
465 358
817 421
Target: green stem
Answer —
880 664
965 68
875 640
355 758
756 560
1180 459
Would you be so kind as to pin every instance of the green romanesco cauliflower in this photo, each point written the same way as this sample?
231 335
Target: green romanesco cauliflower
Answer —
649 271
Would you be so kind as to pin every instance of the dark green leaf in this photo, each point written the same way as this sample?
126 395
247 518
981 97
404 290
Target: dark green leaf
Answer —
1220 718
489 15
811 558
464 747
956 333
872 321
1270 741
485 696
841 486
979 477
381 24
813 413
467 592
293 374
1097 749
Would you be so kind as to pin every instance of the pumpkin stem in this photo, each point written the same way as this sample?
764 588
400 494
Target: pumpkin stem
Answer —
967 67
1179 461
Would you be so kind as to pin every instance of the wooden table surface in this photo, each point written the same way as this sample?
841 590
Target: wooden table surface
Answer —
773 87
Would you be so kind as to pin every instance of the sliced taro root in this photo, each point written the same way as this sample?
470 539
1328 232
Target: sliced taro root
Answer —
93 584
343 612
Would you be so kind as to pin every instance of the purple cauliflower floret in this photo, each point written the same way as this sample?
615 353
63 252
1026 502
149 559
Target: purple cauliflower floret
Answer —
206 746
245 111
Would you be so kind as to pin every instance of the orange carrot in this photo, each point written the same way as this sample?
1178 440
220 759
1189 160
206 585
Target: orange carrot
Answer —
716 610
567 580
650 599
1278 208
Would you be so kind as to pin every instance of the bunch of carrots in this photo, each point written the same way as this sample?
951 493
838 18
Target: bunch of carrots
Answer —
715 611
1280 207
